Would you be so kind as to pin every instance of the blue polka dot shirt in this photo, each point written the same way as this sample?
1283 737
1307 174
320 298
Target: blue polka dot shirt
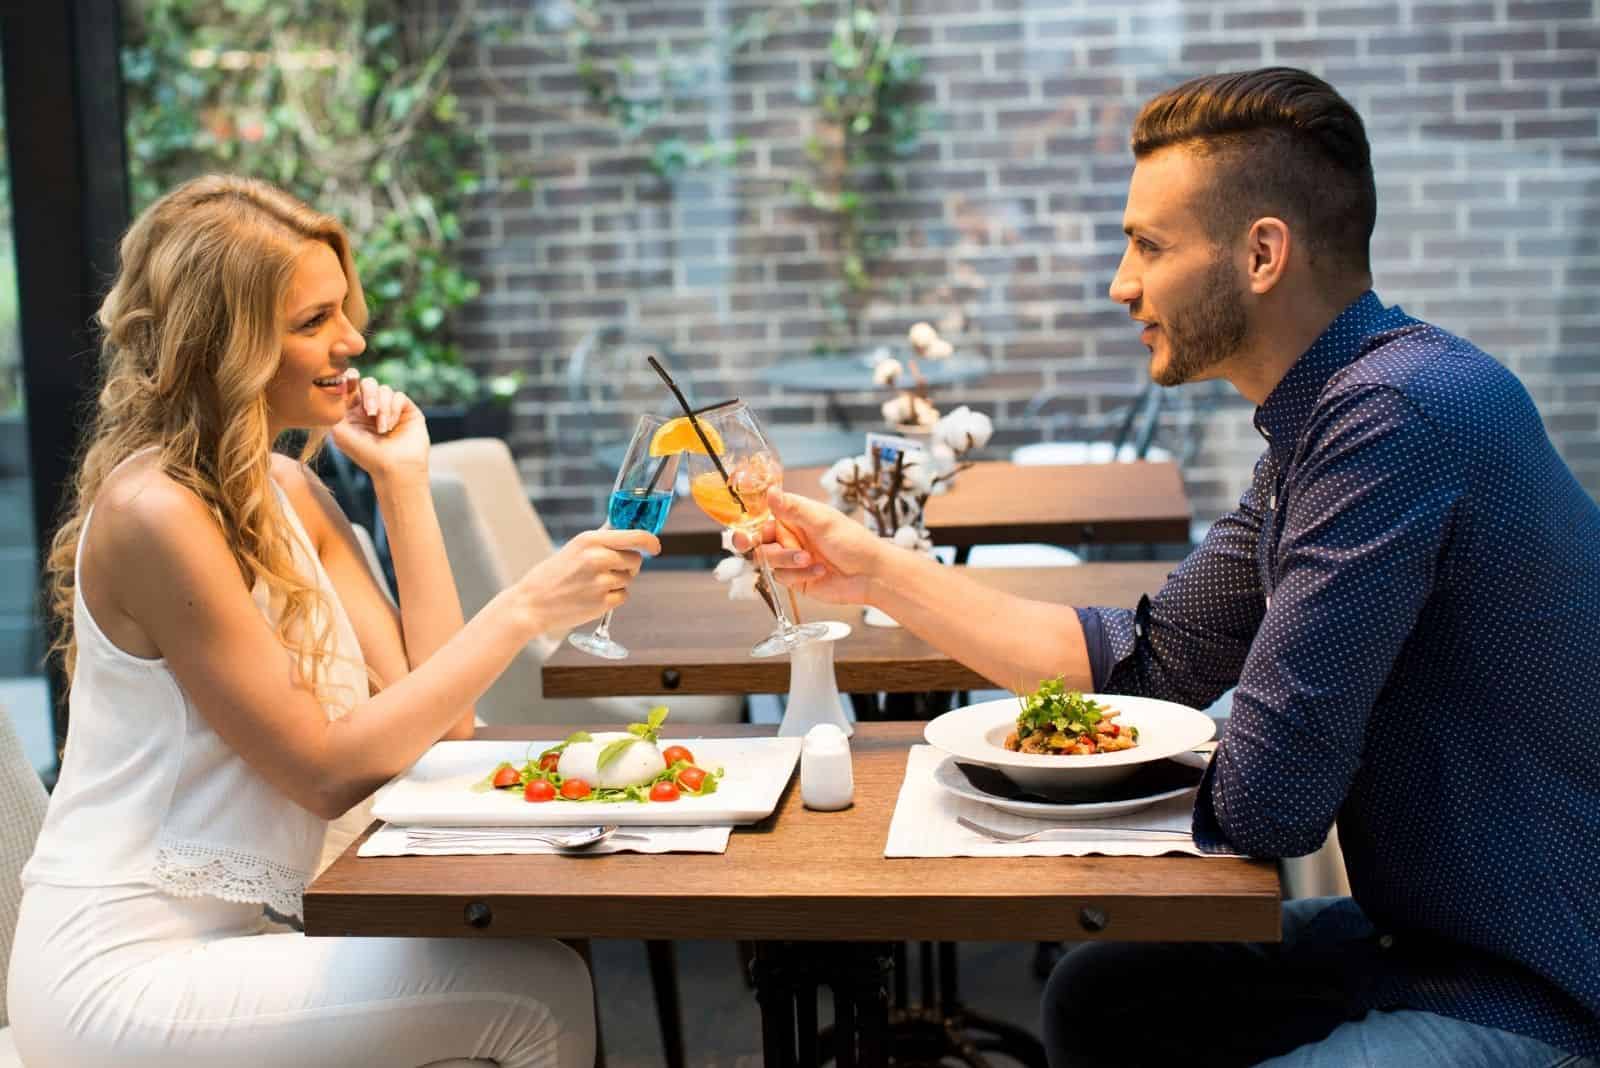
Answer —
1408 600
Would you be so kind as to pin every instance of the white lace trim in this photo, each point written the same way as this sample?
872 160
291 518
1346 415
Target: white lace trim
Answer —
184 869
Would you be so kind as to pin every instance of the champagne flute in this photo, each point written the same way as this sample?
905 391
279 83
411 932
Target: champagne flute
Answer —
640 500
731 470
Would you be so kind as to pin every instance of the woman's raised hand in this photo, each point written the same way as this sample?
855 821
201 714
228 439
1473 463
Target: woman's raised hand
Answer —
382 430
587 578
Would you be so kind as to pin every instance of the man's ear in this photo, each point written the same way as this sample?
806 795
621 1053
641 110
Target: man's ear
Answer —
1267 245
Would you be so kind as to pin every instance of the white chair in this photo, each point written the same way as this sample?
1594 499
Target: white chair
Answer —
493 536
22 804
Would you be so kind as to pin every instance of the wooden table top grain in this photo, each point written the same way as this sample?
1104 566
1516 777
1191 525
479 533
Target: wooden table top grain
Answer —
686 637
998 502
798 875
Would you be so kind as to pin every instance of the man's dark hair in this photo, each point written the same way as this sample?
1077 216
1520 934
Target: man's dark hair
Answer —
1282 142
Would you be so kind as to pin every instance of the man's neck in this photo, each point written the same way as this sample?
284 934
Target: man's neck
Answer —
1286 328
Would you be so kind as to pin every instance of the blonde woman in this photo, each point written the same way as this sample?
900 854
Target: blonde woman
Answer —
238 680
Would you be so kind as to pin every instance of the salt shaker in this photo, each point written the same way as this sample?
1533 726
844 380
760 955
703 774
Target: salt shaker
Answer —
826 780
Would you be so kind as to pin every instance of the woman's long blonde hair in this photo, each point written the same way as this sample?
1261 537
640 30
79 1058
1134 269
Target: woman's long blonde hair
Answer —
193 333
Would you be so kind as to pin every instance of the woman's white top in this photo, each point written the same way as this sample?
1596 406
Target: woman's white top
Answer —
149 793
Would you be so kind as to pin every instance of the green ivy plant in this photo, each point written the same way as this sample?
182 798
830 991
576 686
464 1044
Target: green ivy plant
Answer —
868 120
347 104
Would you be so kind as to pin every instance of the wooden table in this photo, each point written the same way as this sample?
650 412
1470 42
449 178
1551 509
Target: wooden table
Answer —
1000 502
686 637
800 877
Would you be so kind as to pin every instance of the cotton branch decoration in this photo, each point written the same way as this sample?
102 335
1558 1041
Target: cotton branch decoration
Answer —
893 501
910 409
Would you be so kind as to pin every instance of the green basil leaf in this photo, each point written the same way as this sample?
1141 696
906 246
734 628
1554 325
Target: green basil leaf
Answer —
658 716
612 751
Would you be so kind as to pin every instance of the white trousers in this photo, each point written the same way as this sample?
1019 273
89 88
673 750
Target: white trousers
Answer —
128 977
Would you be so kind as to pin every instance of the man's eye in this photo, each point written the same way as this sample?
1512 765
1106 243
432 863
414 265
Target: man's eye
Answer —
1143 245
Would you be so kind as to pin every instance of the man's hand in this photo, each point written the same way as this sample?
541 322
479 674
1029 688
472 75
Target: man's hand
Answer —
819 551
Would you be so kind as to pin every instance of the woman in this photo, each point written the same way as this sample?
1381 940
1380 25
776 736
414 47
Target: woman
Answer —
238 680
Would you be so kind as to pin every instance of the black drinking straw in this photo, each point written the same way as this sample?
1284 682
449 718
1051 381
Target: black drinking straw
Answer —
698 429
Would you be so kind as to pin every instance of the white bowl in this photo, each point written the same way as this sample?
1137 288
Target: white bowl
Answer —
978 733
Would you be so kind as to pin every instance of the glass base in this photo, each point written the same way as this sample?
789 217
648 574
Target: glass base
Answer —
596 644
779 642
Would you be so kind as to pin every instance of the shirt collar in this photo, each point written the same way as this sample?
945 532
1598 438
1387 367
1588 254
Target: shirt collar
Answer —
1284 412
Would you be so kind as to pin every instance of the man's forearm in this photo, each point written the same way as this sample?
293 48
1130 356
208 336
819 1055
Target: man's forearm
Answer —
1012 641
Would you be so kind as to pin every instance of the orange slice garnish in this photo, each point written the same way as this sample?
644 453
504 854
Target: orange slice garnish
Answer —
679 435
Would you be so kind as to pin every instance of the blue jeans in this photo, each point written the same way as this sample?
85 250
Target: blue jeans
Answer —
1279 1005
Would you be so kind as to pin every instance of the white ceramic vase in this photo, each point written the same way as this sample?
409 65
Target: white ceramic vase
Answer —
813 690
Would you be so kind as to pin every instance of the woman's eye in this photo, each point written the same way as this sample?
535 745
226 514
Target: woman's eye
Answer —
315 321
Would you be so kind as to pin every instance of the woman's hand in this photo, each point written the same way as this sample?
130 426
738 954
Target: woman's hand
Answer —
587 578
818 550
382 430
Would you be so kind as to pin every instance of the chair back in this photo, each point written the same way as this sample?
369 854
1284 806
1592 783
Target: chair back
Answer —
22 805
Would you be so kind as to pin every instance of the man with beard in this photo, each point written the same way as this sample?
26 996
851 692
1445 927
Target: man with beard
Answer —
1405 598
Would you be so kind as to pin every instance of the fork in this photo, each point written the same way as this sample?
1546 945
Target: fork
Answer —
1031 836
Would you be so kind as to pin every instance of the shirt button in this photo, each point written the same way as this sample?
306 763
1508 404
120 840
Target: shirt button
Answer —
1386 941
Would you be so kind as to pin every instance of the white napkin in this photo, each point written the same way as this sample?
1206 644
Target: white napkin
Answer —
924 825
394 841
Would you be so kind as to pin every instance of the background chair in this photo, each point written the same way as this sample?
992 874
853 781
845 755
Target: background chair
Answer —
22 804
493 536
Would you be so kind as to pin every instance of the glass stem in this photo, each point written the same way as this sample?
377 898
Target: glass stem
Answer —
784 625
604 629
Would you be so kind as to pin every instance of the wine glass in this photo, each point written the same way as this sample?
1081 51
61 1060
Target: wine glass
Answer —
731 469
640 500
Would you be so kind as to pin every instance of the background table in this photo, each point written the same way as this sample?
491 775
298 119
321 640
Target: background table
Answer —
997 502
685 636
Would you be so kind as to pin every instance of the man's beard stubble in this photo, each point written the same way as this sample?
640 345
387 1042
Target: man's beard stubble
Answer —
1209 330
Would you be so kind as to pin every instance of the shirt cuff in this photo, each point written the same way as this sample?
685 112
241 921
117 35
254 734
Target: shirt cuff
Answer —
1109 635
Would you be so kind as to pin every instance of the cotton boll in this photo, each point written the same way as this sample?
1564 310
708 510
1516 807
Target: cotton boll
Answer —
919 477
979 429
743 586
639 762
939 350
898 411
727 541
886 372
923 412
906 538
731 568
921 335
943 456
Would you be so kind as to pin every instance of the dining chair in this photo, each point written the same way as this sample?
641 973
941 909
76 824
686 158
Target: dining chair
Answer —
22 805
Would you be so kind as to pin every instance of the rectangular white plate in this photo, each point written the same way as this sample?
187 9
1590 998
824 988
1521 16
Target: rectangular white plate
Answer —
437 789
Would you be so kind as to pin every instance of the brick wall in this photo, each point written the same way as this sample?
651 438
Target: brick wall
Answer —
1482 114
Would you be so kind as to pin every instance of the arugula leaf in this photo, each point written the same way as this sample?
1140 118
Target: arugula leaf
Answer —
613 751
1052 705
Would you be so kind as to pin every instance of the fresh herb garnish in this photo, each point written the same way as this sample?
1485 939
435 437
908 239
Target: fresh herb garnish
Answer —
1053 706
641 732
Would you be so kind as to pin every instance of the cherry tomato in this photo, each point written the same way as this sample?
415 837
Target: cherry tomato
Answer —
506 776
692 778
674 753
664 791
573 789
549 761
539 790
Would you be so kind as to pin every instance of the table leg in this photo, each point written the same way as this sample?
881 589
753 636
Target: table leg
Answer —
774 978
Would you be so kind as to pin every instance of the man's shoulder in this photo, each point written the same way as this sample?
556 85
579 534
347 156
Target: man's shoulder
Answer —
1442 375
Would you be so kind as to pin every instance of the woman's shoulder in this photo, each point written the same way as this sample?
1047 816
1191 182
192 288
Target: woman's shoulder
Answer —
307 495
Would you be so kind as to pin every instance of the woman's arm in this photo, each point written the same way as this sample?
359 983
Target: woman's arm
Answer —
172 573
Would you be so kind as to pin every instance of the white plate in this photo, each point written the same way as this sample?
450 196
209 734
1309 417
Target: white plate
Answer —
978 732
437 789
949 779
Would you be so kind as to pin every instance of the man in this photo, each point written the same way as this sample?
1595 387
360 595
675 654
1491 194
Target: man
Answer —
1407 599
